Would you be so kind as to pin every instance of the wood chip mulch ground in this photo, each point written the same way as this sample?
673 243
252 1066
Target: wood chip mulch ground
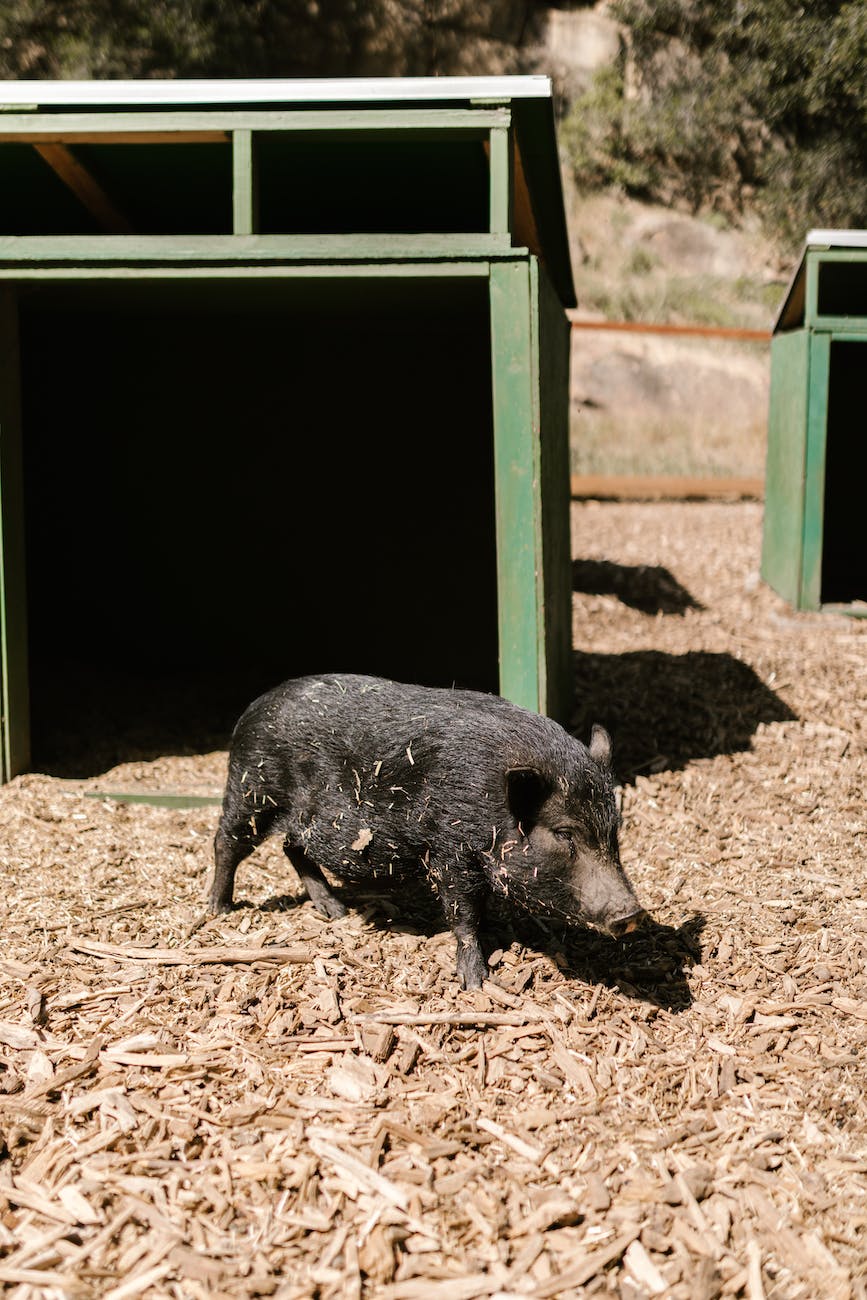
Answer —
269 1103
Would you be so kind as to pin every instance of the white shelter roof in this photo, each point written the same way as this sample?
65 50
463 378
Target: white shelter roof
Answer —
345 90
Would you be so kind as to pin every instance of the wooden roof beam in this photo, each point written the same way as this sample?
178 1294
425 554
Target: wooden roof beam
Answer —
86 188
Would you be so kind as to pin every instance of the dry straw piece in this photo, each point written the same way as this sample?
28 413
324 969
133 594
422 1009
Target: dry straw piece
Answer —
269 1103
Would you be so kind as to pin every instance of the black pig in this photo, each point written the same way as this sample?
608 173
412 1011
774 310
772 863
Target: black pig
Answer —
367 778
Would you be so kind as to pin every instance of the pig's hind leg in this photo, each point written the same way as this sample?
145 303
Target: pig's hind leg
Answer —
234 841
318 889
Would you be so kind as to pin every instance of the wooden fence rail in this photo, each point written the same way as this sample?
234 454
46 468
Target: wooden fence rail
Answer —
661 487
683 331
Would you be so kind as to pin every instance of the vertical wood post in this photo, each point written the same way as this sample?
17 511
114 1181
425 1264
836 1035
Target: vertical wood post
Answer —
245 184
811 289
551 357
500 155
517 488
785 466
814 471
14 688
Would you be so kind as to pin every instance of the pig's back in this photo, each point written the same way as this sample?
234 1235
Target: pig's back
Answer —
345 713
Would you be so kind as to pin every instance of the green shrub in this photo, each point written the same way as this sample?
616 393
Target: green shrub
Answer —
723 105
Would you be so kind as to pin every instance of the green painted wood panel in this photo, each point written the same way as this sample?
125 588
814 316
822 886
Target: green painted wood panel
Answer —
129 249
245 187
517 487
838 325
500 181
811 290
849 270
411 270
552 355
376 121
785 467
14 694
156 798
810 595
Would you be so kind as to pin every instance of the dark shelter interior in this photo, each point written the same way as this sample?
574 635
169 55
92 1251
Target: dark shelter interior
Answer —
233 481
844 554
389 186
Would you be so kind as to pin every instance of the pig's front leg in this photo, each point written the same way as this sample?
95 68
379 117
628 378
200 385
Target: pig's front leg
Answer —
463 893
318 889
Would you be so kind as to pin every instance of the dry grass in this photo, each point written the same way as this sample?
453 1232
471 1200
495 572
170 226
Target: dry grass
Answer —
649 404
271 1103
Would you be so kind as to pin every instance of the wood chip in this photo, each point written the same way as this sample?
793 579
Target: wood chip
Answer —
755 1287
271 1102
642 1268
192 956
467 1020
518 1145
361 1174
78 1206
578 1274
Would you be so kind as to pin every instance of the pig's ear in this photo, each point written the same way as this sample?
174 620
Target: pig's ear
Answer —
600 746
526 791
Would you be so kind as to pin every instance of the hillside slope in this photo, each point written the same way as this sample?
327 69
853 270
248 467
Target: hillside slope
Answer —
655 404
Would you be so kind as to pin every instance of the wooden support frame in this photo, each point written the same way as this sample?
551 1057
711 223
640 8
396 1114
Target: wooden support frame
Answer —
529 334
14 690
501 187
796 504
529 397
530 361
536 197
217 126
810 596
85 187
20 251
245 183
551 336
516 473
816 259
523 218
783 518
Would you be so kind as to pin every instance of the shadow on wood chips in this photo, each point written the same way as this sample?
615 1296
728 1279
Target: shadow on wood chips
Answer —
650 588
664 710
651 965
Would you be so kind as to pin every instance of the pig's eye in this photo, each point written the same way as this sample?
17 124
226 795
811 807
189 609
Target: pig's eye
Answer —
567 837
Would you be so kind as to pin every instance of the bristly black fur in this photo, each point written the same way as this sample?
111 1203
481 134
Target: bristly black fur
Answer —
367 777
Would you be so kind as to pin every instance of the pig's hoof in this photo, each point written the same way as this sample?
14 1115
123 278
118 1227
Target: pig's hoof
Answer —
217 905
330 907
472 970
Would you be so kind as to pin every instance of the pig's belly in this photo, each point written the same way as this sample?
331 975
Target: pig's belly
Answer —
358 849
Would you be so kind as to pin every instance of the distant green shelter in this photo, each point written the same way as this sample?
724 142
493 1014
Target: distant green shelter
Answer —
283 389
814 551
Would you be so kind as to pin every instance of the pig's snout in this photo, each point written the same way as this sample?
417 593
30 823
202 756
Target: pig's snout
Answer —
606 898
626 924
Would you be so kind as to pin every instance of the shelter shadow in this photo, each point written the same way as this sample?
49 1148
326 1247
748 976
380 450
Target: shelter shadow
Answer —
646 587
88 720
664 710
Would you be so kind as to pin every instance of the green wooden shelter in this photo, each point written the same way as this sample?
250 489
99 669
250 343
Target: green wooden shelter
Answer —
283 388
814 551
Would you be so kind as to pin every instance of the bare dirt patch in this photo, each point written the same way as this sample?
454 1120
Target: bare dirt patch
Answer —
271 1103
